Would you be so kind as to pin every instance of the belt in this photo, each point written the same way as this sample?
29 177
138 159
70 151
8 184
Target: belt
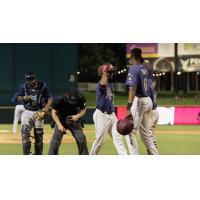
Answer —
106 112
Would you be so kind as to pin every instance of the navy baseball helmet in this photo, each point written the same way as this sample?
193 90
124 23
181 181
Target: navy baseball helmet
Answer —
30 76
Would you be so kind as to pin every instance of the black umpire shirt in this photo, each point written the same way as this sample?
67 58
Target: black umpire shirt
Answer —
65 109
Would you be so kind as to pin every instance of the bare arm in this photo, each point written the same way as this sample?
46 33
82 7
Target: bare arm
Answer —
57 121
131 96
76 117
104 79
49 103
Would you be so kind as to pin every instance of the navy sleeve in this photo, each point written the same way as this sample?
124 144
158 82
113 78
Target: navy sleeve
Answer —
132 77
20 92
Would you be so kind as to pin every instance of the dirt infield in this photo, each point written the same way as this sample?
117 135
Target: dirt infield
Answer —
9 138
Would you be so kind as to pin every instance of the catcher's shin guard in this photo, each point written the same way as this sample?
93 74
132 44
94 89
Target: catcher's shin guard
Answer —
38 135
26 139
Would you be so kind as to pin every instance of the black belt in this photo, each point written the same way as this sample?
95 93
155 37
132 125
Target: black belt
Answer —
106 112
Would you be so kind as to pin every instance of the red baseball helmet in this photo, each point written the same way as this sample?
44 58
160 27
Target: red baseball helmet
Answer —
107 67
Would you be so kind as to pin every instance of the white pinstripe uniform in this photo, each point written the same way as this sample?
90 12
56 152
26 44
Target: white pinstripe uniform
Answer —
105 121
19 109
140 110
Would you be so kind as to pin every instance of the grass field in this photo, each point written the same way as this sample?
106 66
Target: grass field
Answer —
172 140
162 100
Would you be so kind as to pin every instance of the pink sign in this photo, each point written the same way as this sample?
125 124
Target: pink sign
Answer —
121 112
187 115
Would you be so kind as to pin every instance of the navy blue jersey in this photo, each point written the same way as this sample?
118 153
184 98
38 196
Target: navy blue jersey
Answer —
15 101
138 76
39 95
105 98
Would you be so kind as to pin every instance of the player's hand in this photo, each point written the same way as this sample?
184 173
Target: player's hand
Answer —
74 118
104 79
61 129
128 114
26 98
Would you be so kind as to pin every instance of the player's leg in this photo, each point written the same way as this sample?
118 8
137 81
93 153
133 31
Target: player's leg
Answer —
100 128
16 118
25 132
116 137
144 127
131 138
132 144
55 141
153 121
38 135
80 138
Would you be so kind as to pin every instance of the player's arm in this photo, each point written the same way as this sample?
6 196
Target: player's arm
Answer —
104 80
132 84
57 121
49 103
20 95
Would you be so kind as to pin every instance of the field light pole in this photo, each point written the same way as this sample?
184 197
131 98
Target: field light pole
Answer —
176 67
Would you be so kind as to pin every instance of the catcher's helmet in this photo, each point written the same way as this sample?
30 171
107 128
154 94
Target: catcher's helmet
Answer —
30 76
107 67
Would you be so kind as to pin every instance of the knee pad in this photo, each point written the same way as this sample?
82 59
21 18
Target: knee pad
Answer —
26 129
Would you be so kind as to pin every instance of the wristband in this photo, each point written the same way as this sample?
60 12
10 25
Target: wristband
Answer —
128 107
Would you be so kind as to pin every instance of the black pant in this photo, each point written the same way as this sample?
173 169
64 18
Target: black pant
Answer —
77 132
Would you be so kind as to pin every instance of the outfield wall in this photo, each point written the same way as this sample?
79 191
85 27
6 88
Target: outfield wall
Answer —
175 115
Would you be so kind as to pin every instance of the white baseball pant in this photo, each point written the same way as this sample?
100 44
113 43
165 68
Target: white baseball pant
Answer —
106 123
28 115
19 109
140 110
153 121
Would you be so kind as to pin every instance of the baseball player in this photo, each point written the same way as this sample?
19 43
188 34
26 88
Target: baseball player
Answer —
139 103
66 112
104 116
19 109
37 99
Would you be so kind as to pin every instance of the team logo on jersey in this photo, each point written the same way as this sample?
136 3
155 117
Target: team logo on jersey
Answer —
109 94
129 76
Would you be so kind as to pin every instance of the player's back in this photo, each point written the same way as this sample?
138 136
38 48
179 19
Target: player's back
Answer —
138 77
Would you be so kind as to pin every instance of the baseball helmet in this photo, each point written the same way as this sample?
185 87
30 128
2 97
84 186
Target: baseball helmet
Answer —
30 76
125 126
107 67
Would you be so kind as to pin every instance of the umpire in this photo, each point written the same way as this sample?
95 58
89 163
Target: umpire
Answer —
66 113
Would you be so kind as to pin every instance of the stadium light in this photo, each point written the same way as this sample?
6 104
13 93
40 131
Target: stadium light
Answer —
178 73
78 73
163 73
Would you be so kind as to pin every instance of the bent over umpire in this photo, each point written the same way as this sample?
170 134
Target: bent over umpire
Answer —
66 113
